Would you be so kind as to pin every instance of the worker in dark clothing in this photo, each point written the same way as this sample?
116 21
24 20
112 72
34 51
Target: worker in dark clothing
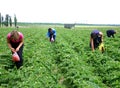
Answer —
110 33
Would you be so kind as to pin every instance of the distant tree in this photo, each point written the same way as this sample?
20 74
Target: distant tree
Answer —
15 20
0 20
6 20
10 20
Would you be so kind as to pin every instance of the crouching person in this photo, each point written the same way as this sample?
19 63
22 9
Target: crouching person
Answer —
16 43
96 40
110 33
51 34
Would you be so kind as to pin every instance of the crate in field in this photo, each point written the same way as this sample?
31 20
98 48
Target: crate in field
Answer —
70 26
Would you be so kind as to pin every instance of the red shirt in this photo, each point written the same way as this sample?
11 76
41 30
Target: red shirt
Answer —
19 40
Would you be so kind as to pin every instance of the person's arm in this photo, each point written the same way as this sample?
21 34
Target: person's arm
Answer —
101 34
114 32
113 35
10 46
21 43
51 36
92 43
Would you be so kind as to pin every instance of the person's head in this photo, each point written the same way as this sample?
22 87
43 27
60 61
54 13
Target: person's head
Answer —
49 29
14 35
115 31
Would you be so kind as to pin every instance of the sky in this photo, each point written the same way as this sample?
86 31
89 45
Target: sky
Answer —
63 11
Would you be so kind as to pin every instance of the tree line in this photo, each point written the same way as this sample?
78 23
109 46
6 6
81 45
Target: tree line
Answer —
7 21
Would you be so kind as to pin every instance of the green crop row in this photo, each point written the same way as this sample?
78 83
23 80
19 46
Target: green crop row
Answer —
67 63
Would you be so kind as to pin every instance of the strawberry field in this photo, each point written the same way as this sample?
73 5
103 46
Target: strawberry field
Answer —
66 63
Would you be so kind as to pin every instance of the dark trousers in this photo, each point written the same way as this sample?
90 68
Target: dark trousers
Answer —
54 36
18 63
95 45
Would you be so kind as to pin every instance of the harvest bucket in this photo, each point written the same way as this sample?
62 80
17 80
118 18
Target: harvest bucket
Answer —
52 39
101 47
15 57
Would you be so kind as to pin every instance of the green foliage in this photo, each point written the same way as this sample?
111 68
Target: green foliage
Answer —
10 21
6 20
0 20
67 63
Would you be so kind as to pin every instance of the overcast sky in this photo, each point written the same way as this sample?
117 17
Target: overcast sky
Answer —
63 11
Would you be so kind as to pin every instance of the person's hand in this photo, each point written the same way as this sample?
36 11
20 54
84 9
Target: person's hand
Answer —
17 49
13 50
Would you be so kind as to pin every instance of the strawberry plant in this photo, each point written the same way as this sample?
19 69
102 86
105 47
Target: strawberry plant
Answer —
66 63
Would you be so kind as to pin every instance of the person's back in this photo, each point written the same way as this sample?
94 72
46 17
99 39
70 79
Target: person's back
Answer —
54 31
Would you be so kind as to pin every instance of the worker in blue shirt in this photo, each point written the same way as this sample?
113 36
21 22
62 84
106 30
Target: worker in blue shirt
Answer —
51 34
